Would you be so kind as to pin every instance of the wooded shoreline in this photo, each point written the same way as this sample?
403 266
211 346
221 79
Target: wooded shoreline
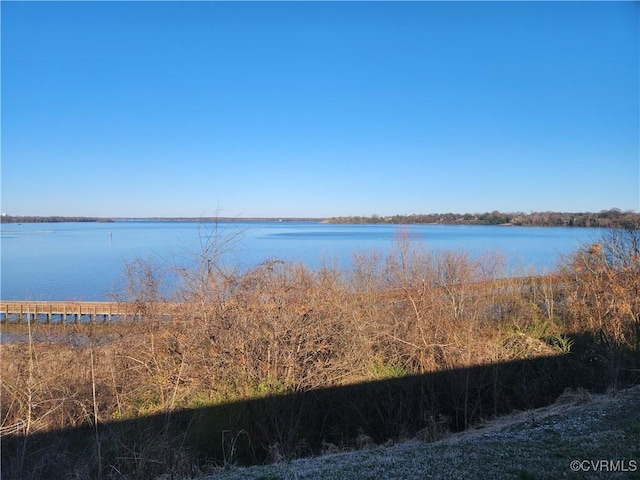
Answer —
613 218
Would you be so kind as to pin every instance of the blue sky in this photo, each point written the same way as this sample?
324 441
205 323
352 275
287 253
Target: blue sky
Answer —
319 108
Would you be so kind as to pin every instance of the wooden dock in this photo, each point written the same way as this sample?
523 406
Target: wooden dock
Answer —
64 312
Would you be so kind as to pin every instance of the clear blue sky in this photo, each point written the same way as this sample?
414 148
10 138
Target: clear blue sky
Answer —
319 109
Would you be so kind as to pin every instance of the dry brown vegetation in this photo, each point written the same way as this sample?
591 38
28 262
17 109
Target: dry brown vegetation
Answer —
284 328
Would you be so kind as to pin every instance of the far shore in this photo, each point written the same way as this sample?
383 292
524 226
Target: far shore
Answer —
613 218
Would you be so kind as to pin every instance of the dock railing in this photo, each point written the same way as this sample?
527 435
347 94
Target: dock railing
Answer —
65 312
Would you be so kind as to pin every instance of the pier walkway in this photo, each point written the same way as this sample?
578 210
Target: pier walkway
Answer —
65 312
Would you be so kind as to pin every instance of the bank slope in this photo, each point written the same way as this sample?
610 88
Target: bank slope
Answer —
600 432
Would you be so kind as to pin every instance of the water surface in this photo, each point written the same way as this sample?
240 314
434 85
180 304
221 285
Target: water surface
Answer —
85 261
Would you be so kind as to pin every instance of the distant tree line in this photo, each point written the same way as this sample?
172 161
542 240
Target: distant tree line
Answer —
613 218
58 219
51 219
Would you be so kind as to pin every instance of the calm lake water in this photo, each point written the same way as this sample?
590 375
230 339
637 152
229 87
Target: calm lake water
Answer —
86 261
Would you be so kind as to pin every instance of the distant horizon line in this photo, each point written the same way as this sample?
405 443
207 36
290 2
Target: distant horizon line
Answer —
298 217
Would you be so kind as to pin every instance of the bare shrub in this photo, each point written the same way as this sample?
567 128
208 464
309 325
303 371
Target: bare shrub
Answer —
602 283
